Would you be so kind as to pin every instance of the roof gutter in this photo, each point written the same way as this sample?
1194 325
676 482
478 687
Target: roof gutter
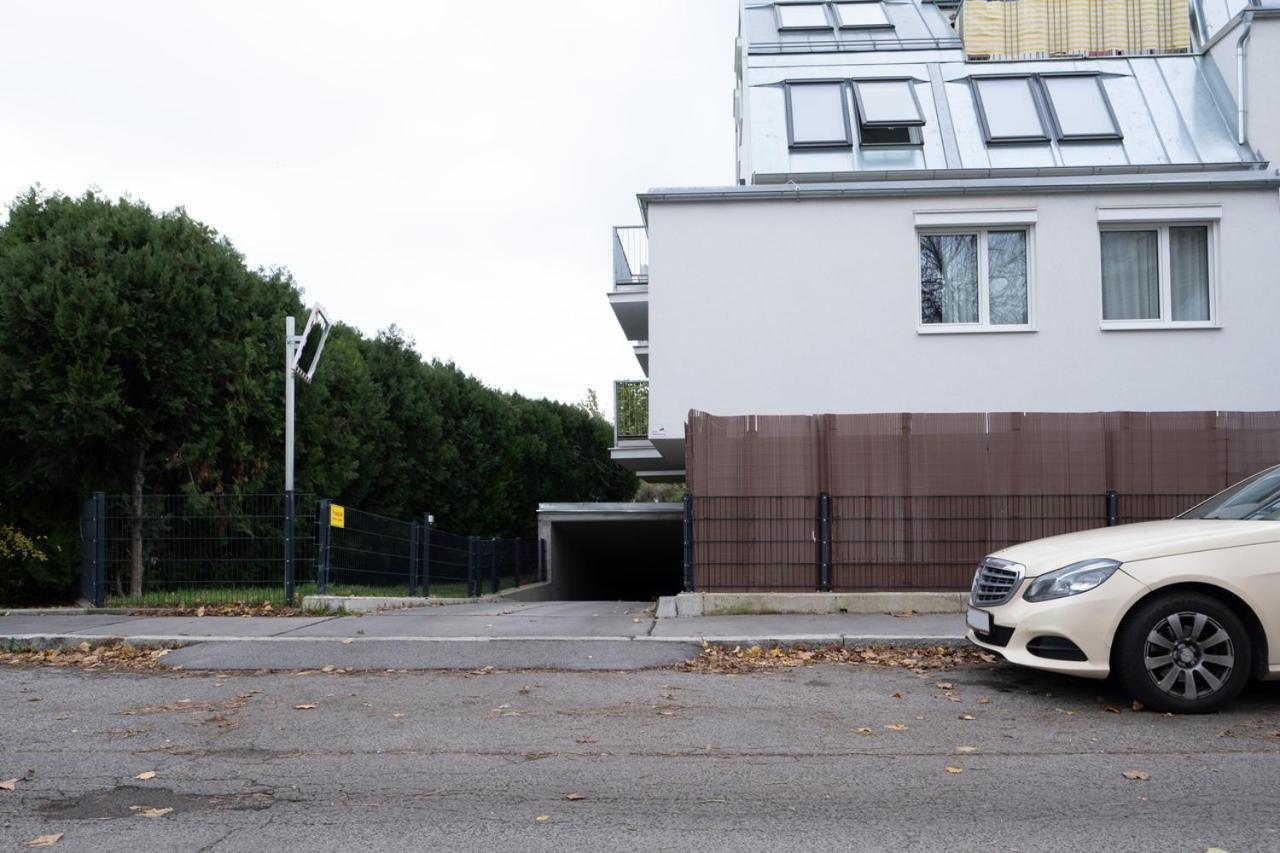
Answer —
1252 179
1242 79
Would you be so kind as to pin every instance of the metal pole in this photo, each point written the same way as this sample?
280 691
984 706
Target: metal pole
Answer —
824 542
415 538
493 566
99 549
688 542
542 560
289 343
473 578
426 553
324 534
515 559
1113 517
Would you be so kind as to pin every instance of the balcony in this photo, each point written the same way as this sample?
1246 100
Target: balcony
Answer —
630 255
630 411
630 295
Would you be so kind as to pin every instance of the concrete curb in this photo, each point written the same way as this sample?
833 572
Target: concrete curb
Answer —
20 642
808 603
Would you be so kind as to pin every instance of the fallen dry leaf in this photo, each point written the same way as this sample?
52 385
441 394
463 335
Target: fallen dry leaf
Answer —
1137 706
524 691
895 695
864 730
575 796
9 785
945 685
46 840
966 716
303 707
1111 709
543 818
145 775
585 739
896 727
149 811
348 641
966 749
920 660
84 647
952 769
327 668
984 701
1136 775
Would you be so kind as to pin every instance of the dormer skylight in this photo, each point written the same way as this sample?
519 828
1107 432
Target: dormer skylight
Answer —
864 15
1007 109
888 112
1079 107
1076 108
818 115
802 16
859 15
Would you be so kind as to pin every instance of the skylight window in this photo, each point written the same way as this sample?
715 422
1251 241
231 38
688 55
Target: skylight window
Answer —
817 115
1079 107
861 15
802 16
888 112
1007 108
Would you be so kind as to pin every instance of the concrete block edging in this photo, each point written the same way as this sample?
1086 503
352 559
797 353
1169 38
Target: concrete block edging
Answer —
811 603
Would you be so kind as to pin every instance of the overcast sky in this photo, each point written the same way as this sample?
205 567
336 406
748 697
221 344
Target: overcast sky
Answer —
449 167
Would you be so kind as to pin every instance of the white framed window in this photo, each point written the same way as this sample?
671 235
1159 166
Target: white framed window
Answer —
818 115
802 16
976 279
1159 274
862 15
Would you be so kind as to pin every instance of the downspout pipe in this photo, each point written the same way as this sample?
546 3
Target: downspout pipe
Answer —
1242 79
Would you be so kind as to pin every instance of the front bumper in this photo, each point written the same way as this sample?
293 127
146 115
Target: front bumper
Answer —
1089 620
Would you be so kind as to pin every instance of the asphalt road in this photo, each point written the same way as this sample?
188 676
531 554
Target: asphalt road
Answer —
665 760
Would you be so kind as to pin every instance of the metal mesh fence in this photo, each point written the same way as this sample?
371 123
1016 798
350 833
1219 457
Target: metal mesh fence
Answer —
192 550
195 549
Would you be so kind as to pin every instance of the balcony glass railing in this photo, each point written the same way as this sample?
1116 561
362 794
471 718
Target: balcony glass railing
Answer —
630 410
630 254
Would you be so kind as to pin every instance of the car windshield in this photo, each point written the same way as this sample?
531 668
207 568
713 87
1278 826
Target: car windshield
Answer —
1255 499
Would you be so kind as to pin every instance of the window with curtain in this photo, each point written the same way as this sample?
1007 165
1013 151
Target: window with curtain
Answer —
1156 275
975 279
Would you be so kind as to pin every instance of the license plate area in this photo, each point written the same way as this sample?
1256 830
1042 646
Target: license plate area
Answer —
978 620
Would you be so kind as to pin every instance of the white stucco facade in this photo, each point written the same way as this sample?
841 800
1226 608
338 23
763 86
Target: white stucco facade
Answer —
811 306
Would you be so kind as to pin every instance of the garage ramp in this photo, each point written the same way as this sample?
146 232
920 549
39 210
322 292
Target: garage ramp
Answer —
612 551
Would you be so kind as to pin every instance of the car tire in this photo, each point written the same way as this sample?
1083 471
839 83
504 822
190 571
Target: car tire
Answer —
1184 652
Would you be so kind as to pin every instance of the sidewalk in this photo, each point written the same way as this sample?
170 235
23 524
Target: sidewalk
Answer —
512 635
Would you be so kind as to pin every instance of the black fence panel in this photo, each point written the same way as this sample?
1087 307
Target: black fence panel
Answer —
188 549
370 550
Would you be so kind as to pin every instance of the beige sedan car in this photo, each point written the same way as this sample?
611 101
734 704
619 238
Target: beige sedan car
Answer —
1183 612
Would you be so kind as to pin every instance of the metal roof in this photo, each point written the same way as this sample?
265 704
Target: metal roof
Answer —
1172 112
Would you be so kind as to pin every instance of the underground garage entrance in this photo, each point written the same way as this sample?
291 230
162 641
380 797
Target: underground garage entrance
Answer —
612 551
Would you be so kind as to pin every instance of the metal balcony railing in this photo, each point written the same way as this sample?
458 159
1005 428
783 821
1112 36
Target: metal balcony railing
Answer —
630 410
630 254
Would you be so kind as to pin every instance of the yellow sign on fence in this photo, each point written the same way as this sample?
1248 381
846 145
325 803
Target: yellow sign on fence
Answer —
337 515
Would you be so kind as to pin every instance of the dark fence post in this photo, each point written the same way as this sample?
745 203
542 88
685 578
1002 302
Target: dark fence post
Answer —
473 576
1112 515
426 553
542 560
493 566
288 548
515 556
93 550
688 542
824 542
415 539
323 537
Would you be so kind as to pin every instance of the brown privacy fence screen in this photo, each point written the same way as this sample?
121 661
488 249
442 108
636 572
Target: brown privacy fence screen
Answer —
913 501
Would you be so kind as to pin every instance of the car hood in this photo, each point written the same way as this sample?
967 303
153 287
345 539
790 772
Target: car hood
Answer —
1143 541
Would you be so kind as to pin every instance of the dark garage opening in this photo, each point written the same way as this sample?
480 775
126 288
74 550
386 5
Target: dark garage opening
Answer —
598 554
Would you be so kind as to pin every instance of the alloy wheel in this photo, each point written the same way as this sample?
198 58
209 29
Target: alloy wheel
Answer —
1189 655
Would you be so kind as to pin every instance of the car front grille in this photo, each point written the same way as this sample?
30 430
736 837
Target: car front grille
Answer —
995 582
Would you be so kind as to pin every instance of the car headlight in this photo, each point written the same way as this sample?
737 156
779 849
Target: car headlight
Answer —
1070 580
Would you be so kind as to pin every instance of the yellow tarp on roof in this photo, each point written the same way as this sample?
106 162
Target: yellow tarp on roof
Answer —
1033 29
